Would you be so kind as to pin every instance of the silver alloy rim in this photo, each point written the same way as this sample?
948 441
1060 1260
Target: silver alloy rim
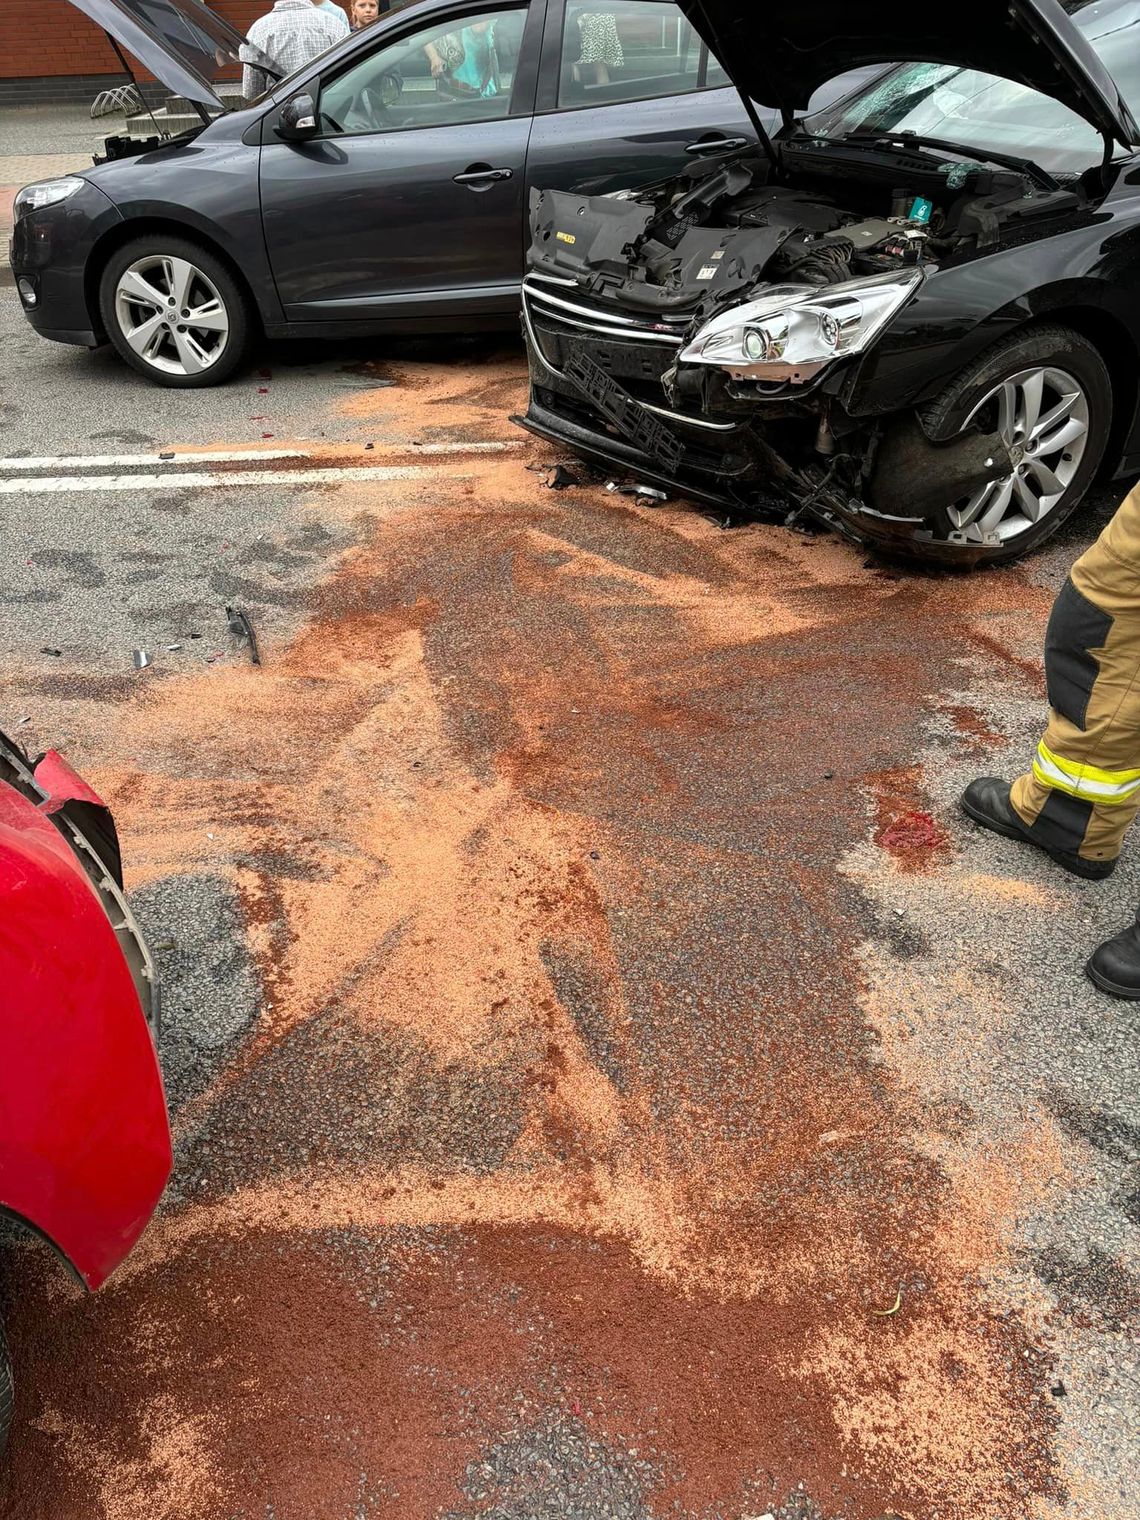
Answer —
1043 418
171 314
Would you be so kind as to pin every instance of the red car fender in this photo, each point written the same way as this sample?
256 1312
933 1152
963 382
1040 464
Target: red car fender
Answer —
61 784
84 1137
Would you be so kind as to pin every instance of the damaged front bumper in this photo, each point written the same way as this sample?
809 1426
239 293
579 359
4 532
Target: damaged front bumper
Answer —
600 384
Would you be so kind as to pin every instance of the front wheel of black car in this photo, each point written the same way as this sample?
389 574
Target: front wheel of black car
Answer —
174 312
1049 395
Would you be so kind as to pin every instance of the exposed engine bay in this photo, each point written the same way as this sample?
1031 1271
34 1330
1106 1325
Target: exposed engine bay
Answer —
711 236
706 323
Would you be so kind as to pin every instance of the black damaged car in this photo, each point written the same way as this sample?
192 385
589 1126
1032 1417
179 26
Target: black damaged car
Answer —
913 317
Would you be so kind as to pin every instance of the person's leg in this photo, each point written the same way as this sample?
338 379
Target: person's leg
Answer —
1083 790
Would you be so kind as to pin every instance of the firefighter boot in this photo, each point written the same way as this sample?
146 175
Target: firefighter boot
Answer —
987 802
1115 965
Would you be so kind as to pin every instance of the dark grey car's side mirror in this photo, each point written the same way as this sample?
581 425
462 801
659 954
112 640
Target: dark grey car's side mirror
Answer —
298 119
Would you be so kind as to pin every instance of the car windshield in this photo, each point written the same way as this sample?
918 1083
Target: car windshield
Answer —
980 111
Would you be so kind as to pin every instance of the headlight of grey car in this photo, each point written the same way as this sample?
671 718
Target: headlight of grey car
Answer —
792 332
47 193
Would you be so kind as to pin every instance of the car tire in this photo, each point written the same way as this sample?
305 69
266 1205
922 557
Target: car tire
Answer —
147 288
1059 355
7 1391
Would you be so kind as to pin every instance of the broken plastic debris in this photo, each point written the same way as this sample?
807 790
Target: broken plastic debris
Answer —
173 648
894 1309
561 479
242 628
141 659
169 455
22 722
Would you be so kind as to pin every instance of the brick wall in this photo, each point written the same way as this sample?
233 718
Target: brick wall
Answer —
50 39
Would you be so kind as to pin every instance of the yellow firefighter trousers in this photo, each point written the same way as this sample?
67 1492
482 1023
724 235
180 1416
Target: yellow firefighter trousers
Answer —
1084 789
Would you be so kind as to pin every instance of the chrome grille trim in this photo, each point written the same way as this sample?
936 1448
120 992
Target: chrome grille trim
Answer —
628 326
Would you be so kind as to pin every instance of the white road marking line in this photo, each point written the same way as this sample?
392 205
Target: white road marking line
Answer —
38 485
240 456
127 461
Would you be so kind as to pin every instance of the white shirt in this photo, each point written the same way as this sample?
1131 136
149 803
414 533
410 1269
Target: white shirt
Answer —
291 35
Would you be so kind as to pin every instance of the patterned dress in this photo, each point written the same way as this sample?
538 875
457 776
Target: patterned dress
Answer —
600 40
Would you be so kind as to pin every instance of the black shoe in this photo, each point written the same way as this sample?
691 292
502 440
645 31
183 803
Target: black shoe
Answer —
987 802
1115 965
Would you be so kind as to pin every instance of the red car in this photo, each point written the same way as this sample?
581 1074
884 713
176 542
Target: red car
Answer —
84 1136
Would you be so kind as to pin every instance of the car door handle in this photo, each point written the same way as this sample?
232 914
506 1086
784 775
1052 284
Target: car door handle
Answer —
718 145
482 176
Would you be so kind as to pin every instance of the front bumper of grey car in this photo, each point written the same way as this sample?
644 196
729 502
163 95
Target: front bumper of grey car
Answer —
50 253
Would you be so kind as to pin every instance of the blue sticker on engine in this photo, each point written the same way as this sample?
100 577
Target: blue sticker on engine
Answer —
922 210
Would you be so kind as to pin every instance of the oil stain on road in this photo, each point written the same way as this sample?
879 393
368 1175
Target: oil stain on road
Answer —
561 1171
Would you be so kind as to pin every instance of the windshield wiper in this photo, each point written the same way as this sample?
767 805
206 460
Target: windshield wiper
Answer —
917 140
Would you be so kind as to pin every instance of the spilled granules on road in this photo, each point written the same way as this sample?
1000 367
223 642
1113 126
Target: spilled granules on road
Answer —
566 1087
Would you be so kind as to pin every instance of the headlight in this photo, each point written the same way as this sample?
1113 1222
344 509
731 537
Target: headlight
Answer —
794 331
48 193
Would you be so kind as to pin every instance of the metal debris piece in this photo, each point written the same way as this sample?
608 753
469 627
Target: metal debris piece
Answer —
894 1309
55 653
169 455
369 445
173 648
141 659
22 721
242 628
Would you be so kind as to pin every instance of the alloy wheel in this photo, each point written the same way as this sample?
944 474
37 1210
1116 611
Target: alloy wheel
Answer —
1042 415
171 314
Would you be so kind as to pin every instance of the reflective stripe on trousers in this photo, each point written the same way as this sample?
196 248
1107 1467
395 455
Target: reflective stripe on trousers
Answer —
1083 790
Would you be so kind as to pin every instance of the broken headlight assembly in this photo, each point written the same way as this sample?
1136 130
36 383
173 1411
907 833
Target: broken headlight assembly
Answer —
792 332
48 192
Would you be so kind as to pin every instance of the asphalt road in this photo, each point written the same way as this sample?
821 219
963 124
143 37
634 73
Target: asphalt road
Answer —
608 1077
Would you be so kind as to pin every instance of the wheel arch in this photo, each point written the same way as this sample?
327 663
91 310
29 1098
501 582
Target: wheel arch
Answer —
122 233
22 1224
1117 347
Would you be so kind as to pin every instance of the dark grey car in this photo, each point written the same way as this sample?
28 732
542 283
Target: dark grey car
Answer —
365 194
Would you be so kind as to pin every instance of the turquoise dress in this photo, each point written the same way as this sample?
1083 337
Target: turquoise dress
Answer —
478 71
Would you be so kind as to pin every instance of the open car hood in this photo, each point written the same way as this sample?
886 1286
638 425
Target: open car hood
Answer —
181 42
780 51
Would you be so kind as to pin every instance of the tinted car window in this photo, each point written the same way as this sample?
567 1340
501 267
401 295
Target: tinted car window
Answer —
615 50
437 77
978 110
